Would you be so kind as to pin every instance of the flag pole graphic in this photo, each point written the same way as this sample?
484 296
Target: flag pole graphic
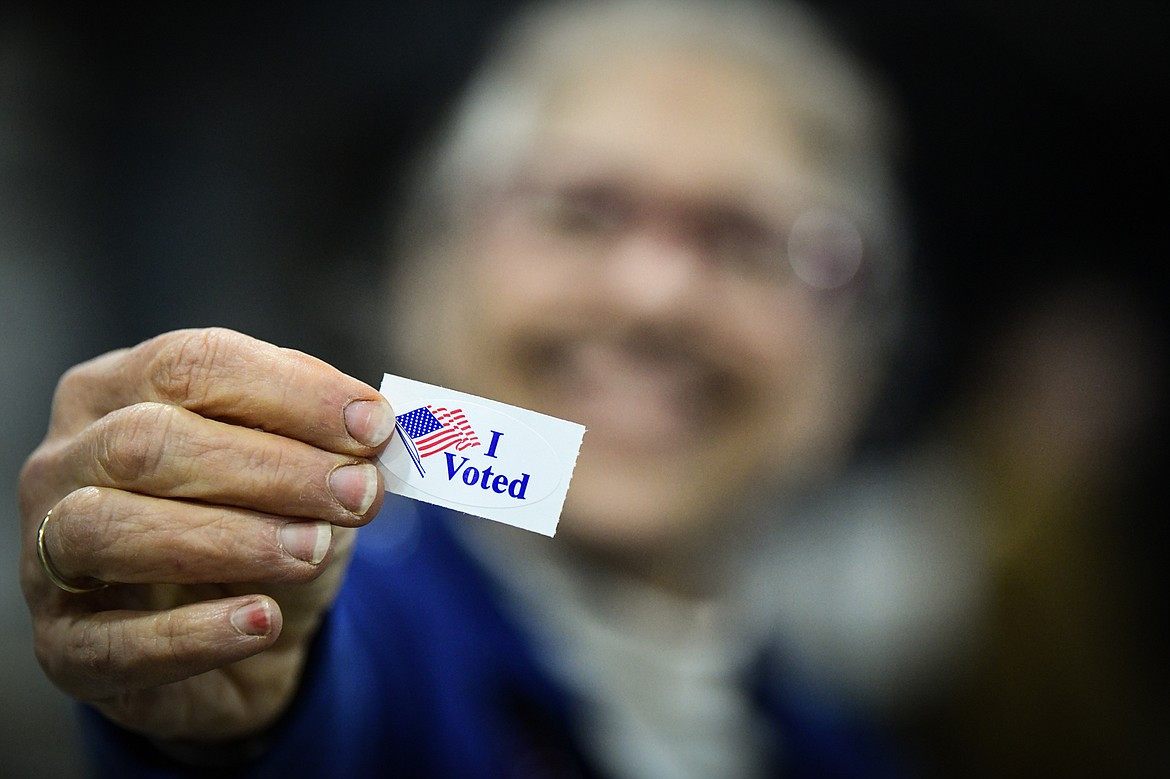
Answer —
409 444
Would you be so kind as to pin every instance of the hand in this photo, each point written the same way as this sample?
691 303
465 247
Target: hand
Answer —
214 482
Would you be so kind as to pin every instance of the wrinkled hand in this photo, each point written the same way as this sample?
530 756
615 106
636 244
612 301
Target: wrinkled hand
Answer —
214 482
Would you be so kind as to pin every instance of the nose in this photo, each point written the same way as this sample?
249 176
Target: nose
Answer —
657 273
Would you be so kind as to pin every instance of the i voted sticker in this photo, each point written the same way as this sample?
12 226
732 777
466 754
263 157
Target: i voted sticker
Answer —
478 456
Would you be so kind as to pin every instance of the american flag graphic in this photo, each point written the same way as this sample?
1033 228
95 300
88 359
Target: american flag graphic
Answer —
433 430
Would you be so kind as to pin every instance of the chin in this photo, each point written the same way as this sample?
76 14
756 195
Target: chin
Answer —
613 538
622 520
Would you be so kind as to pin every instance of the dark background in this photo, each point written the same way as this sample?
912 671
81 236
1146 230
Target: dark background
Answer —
167 165
233 166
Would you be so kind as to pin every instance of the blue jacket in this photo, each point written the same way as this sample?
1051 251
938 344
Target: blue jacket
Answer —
417 672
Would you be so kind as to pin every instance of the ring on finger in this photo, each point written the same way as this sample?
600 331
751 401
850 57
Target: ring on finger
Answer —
54 576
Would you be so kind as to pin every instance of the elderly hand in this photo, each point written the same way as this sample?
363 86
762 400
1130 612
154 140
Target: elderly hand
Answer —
213 481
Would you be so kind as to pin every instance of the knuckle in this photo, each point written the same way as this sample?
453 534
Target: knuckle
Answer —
35 474
201 541
187 362
80 384
169 630
81 379
269 458
91 647
78 522
283 476
49 652
81 529
131 442
82 502
74 382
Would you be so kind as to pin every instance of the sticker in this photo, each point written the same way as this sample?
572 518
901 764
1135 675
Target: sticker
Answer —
478 456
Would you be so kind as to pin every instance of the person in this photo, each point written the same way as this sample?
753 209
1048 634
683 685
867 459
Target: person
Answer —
1043 459
675 223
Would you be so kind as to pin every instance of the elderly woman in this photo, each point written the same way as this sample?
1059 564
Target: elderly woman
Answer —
671 222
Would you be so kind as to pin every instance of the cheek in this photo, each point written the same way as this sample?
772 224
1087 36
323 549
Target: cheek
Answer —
506 290
823 402
774 341
515 281
790 357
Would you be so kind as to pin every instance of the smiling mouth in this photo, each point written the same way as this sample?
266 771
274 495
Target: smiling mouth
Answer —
634 393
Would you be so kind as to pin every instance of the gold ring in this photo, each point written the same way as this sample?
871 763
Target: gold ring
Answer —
50 571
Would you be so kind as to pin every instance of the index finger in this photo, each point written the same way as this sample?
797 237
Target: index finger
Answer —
231 377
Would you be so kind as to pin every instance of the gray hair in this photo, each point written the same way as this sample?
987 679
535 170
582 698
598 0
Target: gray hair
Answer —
842 112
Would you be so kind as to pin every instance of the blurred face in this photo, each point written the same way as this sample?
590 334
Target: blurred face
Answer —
634 278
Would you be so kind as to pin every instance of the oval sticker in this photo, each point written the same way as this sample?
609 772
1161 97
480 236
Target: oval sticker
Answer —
473 455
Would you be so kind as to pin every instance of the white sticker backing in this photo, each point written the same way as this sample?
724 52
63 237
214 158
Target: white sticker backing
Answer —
478 456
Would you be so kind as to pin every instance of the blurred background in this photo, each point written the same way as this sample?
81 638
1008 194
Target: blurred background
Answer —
167 166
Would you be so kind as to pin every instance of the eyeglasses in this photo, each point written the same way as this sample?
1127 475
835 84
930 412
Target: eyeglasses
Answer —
819 247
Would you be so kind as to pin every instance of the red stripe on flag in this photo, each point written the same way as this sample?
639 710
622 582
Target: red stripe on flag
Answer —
456 432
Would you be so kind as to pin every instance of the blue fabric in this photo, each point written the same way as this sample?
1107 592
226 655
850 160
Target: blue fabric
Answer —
417 672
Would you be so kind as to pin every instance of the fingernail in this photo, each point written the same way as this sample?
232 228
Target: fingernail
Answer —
254 619
355 486
370 422
308 541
